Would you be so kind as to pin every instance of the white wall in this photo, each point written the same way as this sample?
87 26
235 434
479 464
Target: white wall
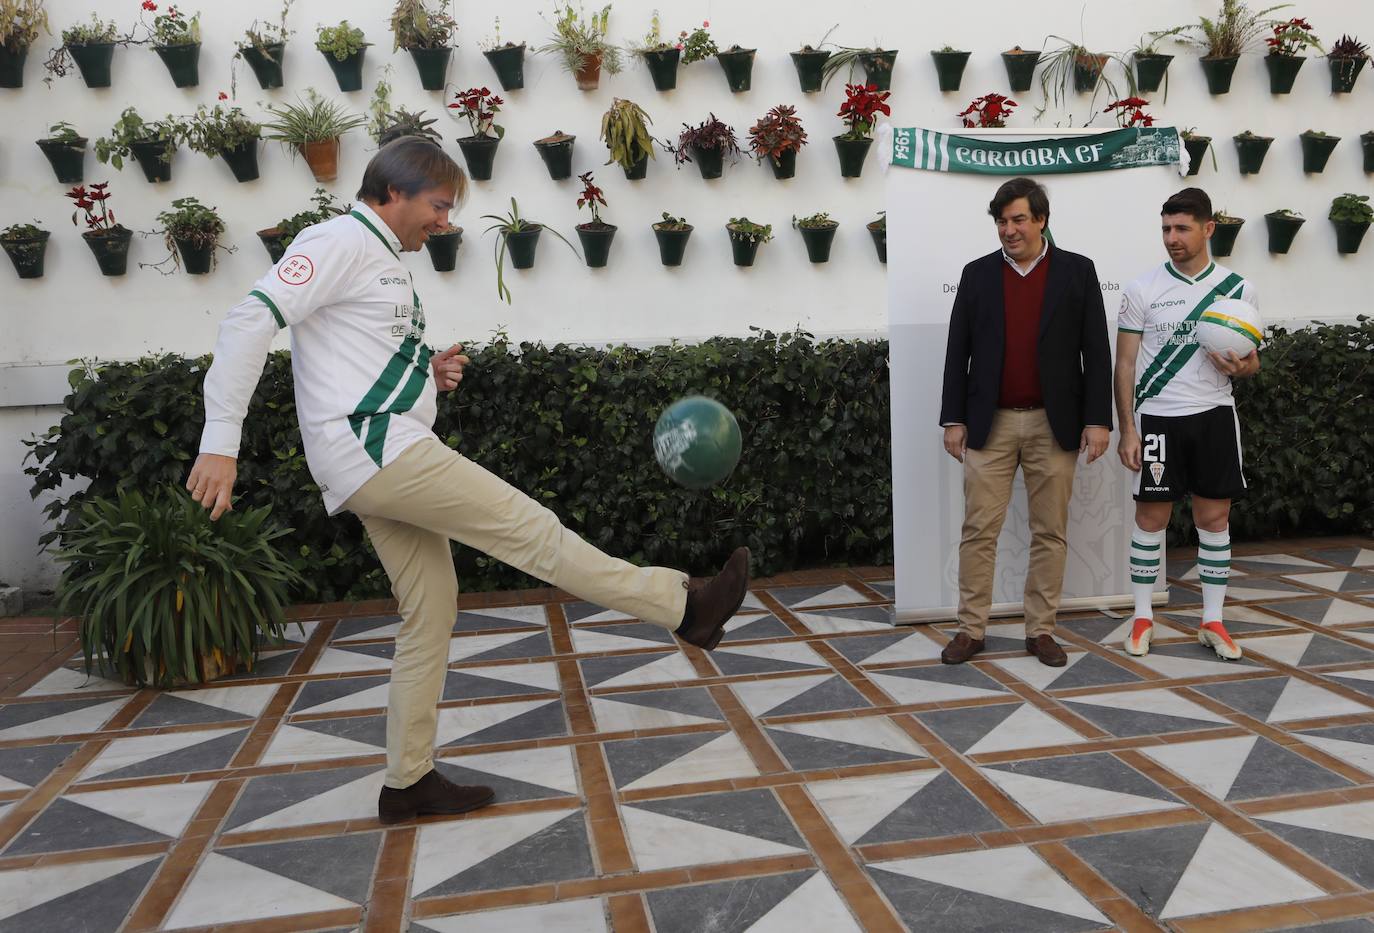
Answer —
75 312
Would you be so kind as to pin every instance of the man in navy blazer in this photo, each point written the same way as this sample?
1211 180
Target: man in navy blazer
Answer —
1027 383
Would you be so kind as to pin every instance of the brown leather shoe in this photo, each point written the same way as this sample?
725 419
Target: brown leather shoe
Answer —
712 604
433 793
1047 650
960 648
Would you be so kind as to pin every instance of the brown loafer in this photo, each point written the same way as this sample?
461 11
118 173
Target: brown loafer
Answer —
1047 650
432 794
960 648
715 602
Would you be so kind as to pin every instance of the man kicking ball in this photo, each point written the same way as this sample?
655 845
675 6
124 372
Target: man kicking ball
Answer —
366 403
1179 430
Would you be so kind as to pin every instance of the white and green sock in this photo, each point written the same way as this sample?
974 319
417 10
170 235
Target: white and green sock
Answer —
1213 569
1147 549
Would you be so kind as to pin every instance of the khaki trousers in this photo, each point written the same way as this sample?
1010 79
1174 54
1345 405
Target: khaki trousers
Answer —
1024 439
411 509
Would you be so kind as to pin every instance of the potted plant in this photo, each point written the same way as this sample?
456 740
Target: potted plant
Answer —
582 44
1367 147
167 597
818 233
660 56
480 106
745 237
519 238
672 234
1346 58
263 47
738 64
108 240
1130 112
596 236
556 151
860 112
228 134
878 65
425 29
1316 150
1196 145
949 67
1224 232
778 136
152 144
387 124
1283 226
276 238
191 231
707 144
66 152
877 229
810 61
1071 64
343 47
313 129
20 23
1152 65
507 59
1351 215
91 45
1020 64
625 130
26 245
1251 149
443 248
1285 56
987 112
176 40
1234 30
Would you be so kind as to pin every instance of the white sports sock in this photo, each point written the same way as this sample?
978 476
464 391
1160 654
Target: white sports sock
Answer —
1147 549
1214 569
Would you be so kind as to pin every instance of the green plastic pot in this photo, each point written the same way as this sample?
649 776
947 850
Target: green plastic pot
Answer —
152 156
662 65
1150 71
1316 150
111 249
852 153
1224 238
242 160
349 72
509 64
1283 71
1344 71
182 61
432 64
1349 233
1020 68
1219 72
738 65
12 65
596 243
818 241
27 255
266 63
1282 230
94 62
878 66
443 249
672 245
68 160
522 245
480 153
1251 150
556 151
877 230
810 65
949 69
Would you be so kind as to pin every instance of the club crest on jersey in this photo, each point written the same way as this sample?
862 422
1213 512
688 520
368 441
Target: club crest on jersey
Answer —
296 269
1157 471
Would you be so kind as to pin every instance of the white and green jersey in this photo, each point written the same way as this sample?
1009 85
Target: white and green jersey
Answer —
1173 374
358 358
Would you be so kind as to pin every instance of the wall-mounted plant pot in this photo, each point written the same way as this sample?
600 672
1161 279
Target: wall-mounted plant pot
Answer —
323 159
1196 148
432 64
1251 150
508 62
589 75
1316 150
949 68
877 230
68 160
638 170
1224 238
1282 229
12 65
818 241
1087 71
1219 72
710 162
1020 65
196 258
556 151
242 160
810 64
738 65
349 72
266 63
743 249
27 254
110 248
1344 71
662 65
94 62
443 249
1150 71
522 245
596 243
1367 148
182 61
1283 71
1349 233
785 165
878 67
272 241
852 153
480 153
154 158
672 244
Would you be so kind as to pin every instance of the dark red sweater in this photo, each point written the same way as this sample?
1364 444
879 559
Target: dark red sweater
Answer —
1023 299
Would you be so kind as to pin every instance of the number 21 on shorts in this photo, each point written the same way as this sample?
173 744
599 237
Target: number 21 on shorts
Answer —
1154 447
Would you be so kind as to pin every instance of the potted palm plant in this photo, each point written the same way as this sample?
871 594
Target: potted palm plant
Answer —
1223 39
425 29
1347 57
949 67
1251 150
313 129
507 59
778 136
263 47
1285 56
1224 232
1316 150
20 23
877 229
276 238
738 64
1020 64
596 235
108 240
152 144
625 130
175 38
229 134
343 47
860 112
818 233
26 245
480 106
1351 215
91 45
659 56
581 42
672 234
192 232
1283 226
65 150
519 238
1068 64
745 237
556 151
706 144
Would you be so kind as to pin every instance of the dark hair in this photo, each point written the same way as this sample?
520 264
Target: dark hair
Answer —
1191 201
410 164
1027 188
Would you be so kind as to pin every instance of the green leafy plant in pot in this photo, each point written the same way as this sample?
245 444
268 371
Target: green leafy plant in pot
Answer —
192 233
343 46
1152 65
949 67
1224 232
151 143
480 107
108 240
1234 30
1251 150
745 237
507 59
26 245
659 56
175 37
556 151
707 144
860 113
386 124
1351 215
1347 58
276 238
425 29
227 133
91 46
519 238
313 128
167 597
581 42
1067 65
1282 226
21 21
672 234
818 233
1285 57
1196 145
625 130
778 136
877 229
263 47
65 150
1316 150
596 235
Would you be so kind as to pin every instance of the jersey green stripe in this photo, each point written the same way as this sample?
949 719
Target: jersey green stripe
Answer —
1165 366
368 224
281 321
386 383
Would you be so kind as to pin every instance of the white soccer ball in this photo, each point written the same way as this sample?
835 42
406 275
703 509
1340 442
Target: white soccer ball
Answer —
1230 324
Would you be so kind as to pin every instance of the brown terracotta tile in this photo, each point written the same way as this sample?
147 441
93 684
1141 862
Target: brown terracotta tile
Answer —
484 900
1077 871
1302 863
916 848
1121 824
1126 916
764 866
348 916
1245 921
766 759
1336 908
628 914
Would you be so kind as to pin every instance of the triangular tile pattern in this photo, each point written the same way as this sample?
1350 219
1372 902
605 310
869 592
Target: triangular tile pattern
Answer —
1079 787
93 896
1244 768
766 659
1353 745
797 901
166 753
26 766
1347 557
1239 620
1081 670
1328 611
637 670
755 626
583 613
1008 727
655 709
896 807
210 705
112 817
482 620
678 759
799 598
56 717
1309 649
709 828
66 680
1144 712
1189 659
936 683
1253 589
585 916
1283 699
1272 563
888 649
619 637
501 852
838 743
1341 836
845 621
500 646
788 696
1361 680
366 628
1337 581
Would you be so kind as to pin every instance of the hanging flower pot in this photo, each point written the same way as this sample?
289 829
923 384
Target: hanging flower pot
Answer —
852 153
323 158
1150 69
1316 150
432 64
1344 71
818 241
710 162
1252 149
785 165
1196 147
155 158
877 230
443 248
588 74
1020 65
672 242
508 62
1224 236
949 68
67 157
556 151
662 65
480 153
1367 147
349 72
1283 71
1282 229
94 62
242 159
810 65
738 65
1087 71
182 61
522 244
1219 72
12 65
1349 233
596 242
272 241
111 249
266 63
639 170
878 67
743 249
27 254
197 257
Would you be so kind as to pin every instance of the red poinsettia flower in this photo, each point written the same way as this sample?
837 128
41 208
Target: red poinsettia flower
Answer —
862 104
992 111
223 96
149 5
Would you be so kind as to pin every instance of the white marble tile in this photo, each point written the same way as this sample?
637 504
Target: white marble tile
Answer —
164 808
1346 819
813 906
356 800
760 696
225 890
1160 702
246 701
459 722
65 680
916 647
447 849
1213 764
292 745
1302 700
1028 727
548 767
1227 873
658 841
29 887
86 719
869 731
718 759
124 752
916 690
338 661
820 623
855 805
1057 801
614 716
671 668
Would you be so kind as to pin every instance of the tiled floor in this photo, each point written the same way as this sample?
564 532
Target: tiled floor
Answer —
820 771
